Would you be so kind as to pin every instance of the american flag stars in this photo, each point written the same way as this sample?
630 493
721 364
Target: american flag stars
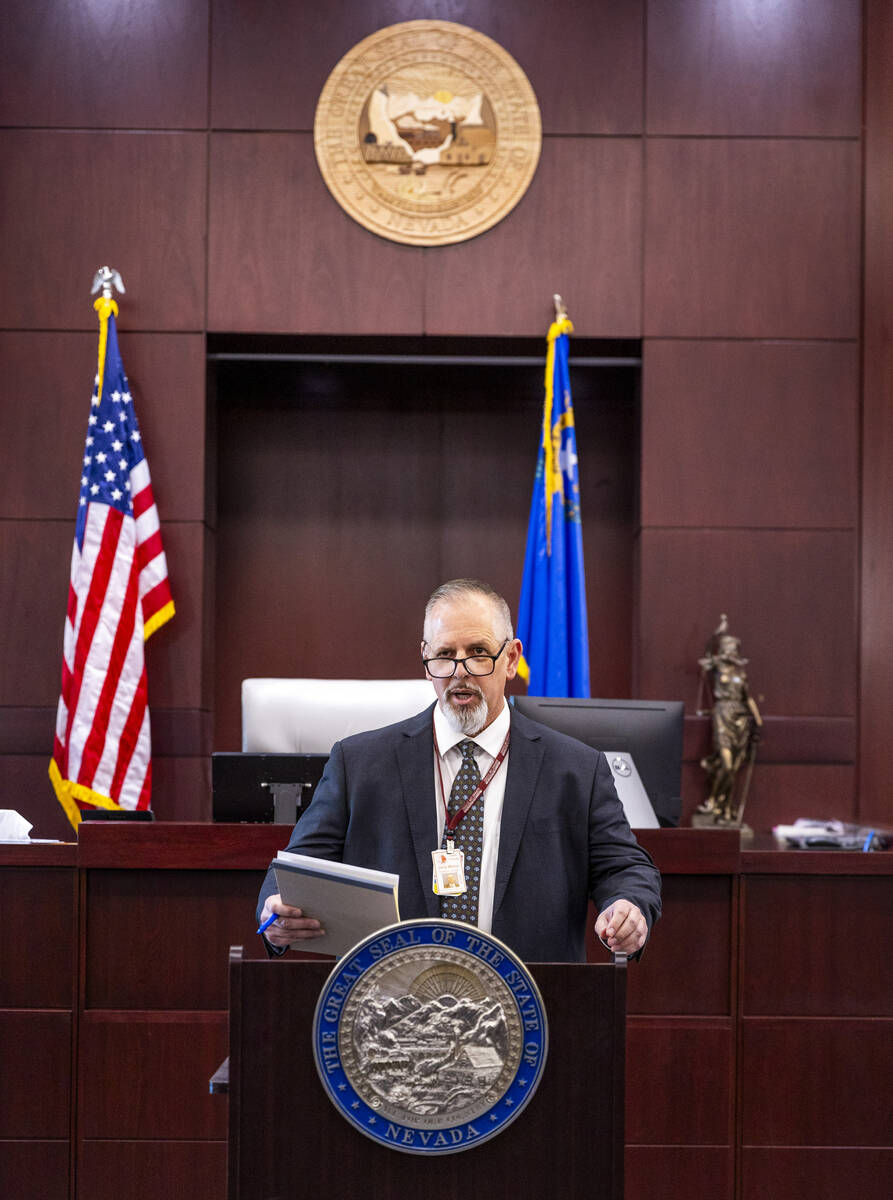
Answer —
114 446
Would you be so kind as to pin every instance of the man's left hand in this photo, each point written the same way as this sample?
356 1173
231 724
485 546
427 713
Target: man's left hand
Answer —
622 927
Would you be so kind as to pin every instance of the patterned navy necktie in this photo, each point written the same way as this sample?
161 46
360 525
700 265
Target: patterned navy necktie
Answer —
467 836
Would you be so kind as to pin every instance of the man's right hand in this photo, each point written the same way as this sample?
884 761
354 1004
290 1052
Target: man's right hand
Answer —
290 925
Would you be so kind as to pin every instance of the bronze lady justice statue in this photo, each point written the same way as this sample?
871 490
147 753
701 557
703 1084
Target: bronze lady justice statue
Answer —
736 724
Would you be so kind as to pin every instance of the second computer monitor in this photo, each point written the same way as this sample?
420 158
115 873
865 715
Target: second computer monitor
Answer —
650 731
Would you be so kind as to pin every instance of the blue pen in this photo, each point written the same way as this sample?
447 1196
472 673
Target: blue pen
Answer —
266 925
866 845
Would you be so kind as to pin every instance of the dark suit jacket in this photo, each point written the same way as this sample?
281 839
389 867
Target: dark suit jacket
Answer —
563 837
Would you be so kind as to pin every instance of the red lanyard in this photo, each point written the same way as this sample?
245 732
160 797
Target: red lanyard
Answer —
452 822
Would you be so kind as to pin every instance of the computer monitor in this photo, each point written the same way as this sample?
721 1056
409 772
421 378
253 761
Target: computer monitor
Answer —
650 731
251 788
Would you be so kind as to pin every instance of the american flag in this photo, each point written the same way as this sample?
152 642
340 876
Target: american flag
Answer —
118 596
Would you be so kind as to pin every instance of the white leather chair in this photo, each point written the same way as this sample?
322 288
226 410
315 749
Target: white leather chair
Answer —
307 716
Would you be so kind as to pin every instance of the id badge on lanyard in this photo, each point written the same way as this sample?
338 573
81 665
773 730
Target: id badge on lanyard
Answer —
449 864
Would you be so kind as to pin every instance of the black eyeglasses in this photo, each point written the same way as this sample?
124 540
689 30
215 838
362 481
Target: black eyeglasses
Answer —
475 664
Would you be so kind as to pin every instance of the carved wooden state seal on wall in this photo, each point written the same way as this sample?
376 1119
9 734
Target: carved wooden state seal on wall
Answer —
427 132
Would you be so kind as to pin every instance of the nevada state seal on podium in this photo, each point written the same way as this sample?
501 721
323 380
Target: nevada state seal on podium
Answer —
430 1036
368 1077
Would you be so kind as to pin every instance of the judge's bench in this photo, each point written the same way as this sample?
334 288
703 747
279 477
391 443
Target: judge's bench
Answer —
759 1035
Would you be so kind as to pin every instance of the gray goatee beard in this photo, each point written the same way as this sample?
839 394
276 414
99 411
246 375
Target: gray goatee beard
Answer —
469 719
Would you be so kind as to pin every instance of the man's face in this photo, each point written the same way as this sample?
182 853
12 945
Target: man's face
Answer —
466 625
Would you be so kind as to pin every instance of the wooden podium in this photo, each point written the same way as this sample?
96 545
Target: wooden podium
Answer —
287 1141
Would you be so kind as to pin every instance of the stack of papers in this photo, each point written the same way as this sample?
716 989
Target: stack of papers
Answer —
13 826
350 903
809 834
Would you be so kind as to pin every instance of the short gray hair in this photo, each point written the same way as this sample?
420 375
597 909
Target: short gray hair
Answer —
455 588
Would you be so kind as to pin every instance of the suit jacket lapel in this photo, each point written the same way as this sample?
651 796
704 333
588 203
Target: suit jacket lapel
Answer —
525 756
415 757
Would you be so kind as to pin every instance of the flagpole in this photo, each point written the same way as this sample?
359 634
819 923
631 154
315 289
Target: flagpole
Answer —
105 307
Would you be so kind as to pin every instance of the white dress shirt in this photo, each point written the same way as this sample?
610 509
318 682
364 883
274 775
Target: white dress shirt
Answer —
489 743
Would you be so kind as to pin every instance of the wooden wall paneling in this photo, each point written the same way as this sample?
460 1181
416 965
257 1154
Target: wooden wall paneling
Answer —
819 1078
209 561
750 434
38 907
181 780
815 1173
577 231
284 257
789 596
606 415
803 968
156 967
38 1164
36 557
181 787
780 793
693 852
791 70
406 456
876 625
38 899
208 618
679 1074
784 739
180 732
181 777
752 238
816 1081
133 200
562 48
145 1076
669 980
137 66
51 374
269 63
163 1168
35 1083
184 847
482 528
803 765
668 1172
324 504
764 855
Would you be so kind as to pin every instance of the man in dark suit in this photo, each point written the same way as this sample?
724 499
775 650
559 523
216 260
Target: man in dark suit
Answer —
550 832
